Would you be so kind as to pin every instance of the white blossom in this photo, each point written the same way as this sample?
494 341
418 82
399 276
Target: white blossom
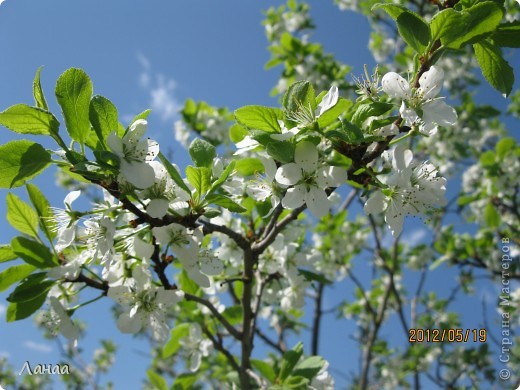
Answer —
309 180
196 346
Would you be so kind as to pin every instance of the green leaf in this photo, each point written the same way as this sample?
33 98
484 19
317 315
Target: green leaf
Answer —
6 254
482 19
233 314
448 25
309 367
103 117
14 274
259 118
187 285
223 177
157 381
313 277
31 287
174 174
289 360
296 383
282 151
24 119
503 146
199 178
249 166
20 161
21 216
237 133
202 152
366 110
507 34
393 10
487 158
73 92
39 97
299 97
185 381
172 346
22 310
43 209
33 253
265 369
330 116
495 69
224 201
491 216
142 115
414 30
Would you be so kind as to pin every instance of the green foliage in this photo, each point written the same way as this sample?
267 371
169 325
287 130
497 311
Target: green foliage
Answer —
414 30
39 97
178 333
259 118
202 152
24 119
43 209
14 274
33 252
157 381
103 117
20 310
21 161
448 25
199 178
507 34
6 254
73 92
30 288
495 69
21 216
226 202
174 174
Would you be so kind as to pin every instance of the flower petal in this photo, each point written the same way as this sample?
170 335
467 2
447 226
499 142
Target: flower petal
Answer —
288 174
437 111
138 173
376 203
431 83
317 201
396 86
157 208
330 176
329 100
306 156
294 197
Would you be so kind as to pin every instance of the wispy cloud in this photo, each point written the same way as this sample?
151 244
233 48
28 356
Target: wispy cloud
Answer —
415 237
39 347
160 88
2 309
5 354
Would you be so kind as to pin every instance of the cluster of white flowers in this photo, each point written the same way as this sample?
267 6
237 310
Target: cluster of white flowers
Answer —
420 107
411 189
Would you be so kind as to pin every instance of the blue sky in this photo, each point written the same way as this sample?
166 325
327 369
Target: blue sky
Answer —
152 55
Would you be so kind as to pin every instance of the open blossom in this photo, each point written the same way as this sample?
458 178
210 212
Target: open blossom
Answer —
412 190
264 188
309 180
134 154
421 106
196 346
65 221
145 304
62 320
304 116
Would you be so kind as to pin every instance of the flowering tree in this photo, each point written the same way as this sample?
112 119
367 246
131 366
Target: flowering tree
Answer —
266 218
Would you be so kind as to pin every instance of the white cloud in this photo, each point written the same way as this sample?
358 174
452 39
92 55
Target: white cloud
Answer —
161 90
5 354
2 309
39 347
415 237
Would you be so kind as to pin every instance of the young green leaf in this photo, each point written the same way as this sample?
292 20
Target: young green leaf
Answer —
414 30
224 201
24 119
6 254
199 178
330 116
43 209
495 69
33 253
172 346
448 25
225 174
282 151
39 97
299 98
19 311
20 161
73 92
393 10
289 361
310 367
103 117
259 118
482 20
265 369
507 34
366 110
14 274
21 216
29 288
157 381
202 152
249 166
